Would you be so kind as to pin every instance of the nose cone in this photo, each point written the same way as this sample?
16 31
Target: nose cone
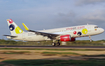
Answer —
102 30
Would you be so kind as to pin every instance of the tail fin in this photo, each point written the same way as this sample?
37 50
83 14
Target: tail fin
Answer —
14 29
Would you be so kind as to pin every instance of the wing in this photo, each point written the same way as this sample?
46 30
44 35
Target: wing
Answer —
49 35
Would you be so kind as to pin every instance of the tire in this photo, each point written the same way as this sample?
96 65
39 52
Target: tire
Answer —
53 44
58 44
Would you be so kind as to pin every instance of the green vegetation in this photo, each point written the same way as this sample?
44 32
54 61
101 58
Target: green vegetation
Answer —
89 62
102 55
0 58
59 53
48 43
12 52
53 49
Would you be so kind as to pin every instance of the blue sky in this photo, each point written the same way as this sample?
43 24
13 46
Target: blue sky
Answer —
49 14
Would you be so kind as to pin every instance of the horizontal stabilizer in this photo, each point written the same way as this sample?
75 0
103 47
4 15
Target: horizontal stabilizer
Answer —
10 35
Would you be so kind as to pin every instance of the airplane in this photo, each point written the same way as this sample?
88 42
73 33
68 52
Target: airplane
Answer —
56 35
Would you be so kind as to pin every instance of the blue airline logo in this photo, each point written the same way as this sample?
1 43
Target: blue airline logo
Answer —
11 27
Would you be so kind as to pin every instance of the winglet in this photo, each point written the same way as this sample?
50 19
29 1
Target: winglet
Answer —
25 26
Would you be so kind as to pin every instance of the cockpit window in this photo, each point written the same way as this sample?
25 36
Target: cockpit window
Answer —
96 27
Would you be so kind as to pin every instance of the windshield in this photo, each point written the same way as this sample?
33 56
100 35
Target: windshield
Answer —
96 27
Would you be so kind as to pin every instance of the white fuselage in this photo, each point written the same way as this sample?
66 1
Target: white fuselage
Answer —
85 30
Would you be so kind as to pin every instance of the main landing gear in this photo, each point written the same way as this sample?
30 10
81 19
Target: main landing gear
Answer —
90 38
56 43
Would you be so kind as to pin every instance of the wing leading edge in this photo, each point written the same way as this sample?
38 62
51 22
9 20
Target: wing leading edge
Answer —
49 35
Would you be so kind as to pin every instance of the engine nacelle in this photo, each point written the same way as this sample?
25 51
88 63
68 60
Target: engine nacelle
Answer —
66 38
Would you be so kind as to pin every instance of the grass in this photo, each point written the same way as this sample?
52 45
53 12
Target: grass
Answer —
102 55
1 58
12 52
89 62
53 49
59 53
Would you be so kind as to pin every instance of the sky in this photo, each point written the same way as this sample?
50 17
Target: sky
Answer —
49 14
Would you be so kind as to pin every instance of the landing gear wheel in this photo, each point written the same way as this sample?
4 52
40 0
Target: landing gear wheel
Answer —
53 44
58 44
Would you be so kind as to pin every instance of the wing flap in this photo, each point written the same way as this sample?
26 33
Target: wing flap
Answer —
49 35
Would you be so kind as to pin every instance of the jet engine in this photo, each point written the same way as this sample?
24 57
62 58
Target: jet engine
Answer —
66 38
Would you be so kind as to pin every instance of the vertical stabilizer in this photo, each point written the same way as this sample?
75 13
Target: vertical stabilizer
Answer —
14 29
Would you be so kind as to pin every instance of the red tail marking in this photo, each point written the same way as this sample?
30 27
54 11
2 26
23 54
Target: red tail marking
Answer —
10 21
